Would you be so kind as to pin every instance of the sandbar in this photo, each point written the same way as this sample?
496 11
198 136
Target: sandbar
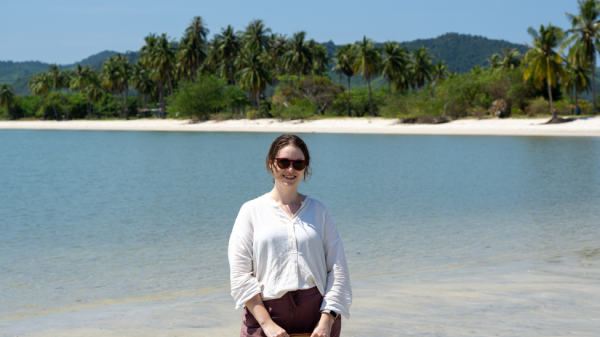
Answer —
587 127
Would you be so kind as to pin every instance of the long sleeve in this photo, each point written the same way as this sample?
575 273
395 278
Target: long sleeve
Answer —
244 284
338 293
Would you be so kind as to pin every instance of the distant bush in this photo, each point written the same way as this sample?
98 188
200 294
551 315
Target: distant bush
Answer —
252 114
360 104
537 106
298 109
197 100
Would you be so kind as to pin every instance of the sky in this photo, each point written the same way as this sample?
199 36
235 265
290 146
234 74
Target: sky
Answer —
66 31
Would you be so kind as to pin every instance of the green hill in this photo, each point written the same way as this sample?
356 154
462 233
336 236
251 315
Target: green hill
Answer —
460 51
17 73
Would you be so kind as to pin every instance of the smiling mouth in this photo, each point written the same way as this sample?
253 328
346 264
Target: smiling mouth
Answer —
289 177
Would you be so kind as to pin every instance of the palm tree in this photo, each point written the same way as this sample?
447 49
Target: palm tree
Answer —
163 60
367 62
159 57
439 71
586 36
578 78
57 82
228 46
111 78
394 62
476 70
344 64
124 73
94 90
196 33
256 35
298 58
278 47
421 67
543 63
185 64
254 75
39 85
138 77
79 81
510 59
7 97
321 59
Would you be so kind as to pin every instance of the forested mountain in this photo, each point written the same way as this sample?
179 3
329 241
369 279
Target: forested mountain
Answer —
17 73
461 52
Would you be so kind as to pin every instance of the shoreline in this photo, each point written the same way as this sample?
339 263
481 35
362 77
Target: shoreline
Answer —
523 300
584 127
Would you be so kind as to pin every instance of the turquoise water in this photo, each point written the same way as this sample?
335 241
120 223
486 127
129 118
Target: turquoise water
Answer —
93 215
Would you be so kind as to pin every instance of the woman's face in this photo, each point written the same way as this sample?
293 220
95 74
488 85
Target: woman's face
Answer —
288 177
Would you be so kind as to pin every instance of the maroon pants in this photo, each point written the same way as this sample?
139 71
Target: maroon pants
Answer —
296 312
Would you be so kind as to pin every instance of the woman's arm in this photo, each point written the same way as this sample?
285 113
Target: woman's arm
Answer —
256 306
338 292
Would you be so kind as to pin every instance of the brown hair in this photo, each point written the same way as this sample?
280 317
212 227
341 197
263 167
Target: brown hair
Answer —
283 141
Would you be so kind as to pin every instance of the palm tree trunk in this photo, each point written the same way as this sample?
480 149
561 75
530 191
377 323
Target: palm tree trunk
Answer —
389 88
593 73
576 102
231 73
573 107
65 104
349 112
54 108
126 102
371 98
116 109
258 103
195 72
138 102
170 84
550 98
43 109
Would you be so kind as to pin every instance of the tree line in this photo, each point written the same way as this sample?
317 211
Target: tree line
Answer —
255 59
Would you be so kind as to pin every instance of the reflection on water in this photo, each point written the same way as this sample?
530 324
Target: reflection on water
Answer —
92 216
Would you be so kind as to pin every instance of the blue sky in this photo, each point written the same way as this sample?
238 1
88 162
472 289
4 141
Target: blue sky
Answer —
66 31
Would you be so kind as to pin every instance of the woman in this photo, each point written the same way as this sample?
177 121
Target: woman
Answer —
288 266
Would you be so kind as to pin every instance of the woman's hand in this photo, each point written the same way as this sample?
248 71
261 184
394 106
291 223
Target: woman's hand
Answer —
273 330
260 313
323 329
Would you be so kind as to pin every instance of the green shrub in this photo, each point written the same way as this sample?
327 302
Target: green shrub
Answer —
563 107
252 114
199 99
537 106
516 111
298 109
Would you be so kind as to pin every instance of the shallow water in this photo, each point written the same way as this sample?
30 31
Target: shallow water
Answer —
90 216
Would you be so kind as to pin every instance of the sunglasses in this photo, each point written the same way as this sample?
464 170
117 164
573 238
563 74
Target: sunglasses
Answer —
284 163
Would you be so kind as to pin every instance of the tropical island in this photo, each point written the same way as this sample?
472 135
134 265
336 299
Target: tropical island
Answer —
255 73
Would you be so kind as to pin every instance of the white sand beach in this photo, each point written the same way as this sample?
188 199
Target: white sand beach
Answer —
493 127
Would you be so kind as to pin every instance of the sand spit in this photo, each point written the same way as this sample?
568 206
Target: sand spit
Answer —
589 127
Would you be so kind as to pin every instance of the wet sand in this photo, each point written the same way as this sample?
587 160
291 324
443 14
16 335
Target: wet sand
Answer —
493 127
494 301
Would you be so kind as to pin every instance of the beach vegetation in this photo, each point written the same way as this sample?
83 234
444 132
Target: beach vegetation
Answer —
198 100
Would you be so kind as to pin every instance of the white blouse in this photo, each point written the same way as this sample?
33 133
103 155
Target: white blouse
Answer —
271 254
